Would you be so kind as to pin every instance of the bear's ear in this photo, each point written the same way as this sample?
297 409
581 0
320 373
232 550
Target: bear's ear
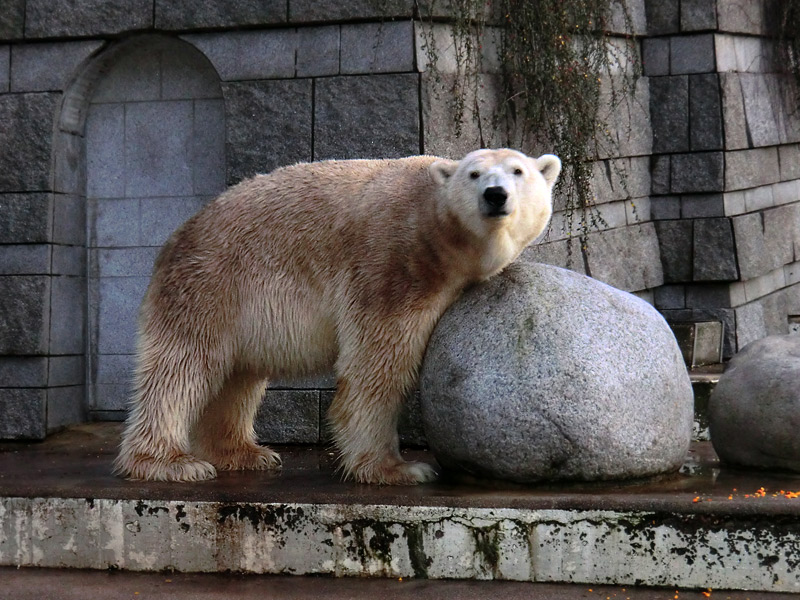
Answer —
550 166
442 170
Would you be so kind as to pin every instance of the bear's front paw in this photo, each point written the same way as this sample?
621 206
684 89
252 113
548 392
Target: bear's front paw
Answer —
250 458
396 473
183 467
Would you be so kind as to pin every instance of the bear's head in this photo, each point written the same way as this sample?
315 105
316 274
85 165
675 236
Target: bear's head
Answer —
499 192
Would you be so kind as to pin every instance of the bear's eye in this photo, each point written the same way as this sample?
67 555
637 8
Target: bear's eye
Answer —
517 171
474 175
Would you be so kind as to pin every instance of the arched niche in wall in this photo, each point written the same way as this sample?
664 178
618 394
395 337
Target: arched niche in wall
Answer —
140 148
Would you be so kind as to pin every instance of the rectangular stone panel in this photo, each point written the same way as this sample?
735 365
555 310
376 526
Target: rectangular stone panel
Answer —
374 116
675 242
698 15
694 206
626 257
23 372
744 54
663 16
123 262
692 54
751 168
733 114
270 53
268 124
112 397
655 56
789 157
113 222
67 319
12 19
25 259
135 76
114 368
665 207
160 217
27 218
741 16
61 18
193 14
69 219
118 306
69 260
23 414
66 370
27 130
288 417
208 147
708 295
158 148
670 297
25 310
660 174
304 11
705 113
386 47
669 112
48 66
762 124
697 172
5 68
318 51
714 251
105 151
65 406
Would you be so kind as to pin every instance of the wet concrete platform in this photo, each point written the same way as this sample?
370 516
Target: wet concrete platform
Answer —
707 526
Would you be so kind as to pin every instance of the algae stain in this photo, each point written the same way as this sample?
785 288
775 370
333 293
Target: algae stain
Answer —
487 545
416 551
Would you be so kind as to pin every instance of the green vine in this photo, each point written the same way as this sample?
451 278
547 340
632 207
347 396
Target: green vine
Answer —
559 80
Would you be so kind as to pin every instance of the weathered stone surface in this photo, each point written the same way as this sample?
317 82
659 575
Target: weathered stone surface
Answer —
626 257
665 207
692 54
5 68
762 122
27 218
68 316
270 53
23 414
698 172
515 369
47 66
670 297
302 11
694 206
191 14
25 310
755 408
669 111
660 174
23 371
377 47
268 125
663 16
367 117
741 16
733 115
65 406
751 168
708 295
698 15
655 57
288 417
49 18
675 241
789 156
25 259
318 51
705 113
714 251
26 137
12 19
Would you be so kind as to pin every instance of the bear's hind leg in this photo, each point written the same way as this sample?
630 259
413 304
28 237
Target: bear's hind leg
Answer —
224 434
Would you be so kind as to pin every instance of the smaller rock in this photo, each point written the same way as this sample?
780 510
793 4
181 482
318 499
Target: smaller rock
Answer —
754 412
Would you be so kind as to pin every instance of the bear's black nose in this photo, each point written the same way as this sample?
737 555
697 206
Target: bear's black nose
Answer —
495 196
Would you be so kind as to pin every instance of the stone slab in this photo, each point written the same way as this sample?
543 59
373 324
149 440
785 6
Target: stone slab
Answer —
386 47
705 113
48 66
63 18
698 15
65 406
270 52
65 370
733 113
281 133
789 157
23 414
751 168
699 172
627 257
318 51
695 206
675 240
762 122
714 251
289 417
118 304
25 259
69 219
374 116
692 54
660 174
25 306
669 111
655 56
741 16
5 68
663 16
27 218
68 315
305 11
212 14
23 371
29 132
12 20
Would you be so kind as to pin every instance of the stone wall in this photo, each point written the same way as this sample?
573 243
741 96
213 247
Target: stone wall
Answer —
122 117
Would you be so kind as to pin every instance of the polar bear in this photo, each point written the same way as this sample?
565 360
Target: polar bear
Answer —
337 264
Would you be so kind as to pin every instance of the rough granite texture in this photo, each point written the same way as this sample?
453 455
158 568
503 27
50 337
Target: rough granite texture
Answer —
754 410
542 373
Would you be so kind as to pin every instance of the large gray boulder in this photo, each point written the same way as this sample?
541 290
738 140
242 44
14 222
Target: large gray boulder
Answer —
544 374
754 411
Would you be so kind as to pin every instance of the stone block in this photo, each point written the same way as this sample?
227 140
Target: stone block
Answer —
318 51
123 262
634 23
5 68
161 216
631 125
733 112
786 192
714 251
69 219
23 414
665 207
708 295
270 53
675 241
663 16
66 370
105 151
626 258
762 124
268 125
670 297
789 160
68 315
27 218
660 174
744 54
69 175
25 259
367 117
386 47
758 198
208 147
751 168
695 206
23 372
134 75
27 130
669 111
741 16
12 20
112 397
638 211
697 172
306 11
25 310
655 56
705 113
48 66
734 203
288 417
186 74
211 14
698 15
692 54
69 260
114 222
118 305
327 381
158 140
114 368
65 406
62 18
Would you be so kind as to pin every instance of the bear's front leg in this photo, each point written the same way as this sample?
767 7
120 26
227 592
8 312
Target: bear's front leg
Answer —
363 417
